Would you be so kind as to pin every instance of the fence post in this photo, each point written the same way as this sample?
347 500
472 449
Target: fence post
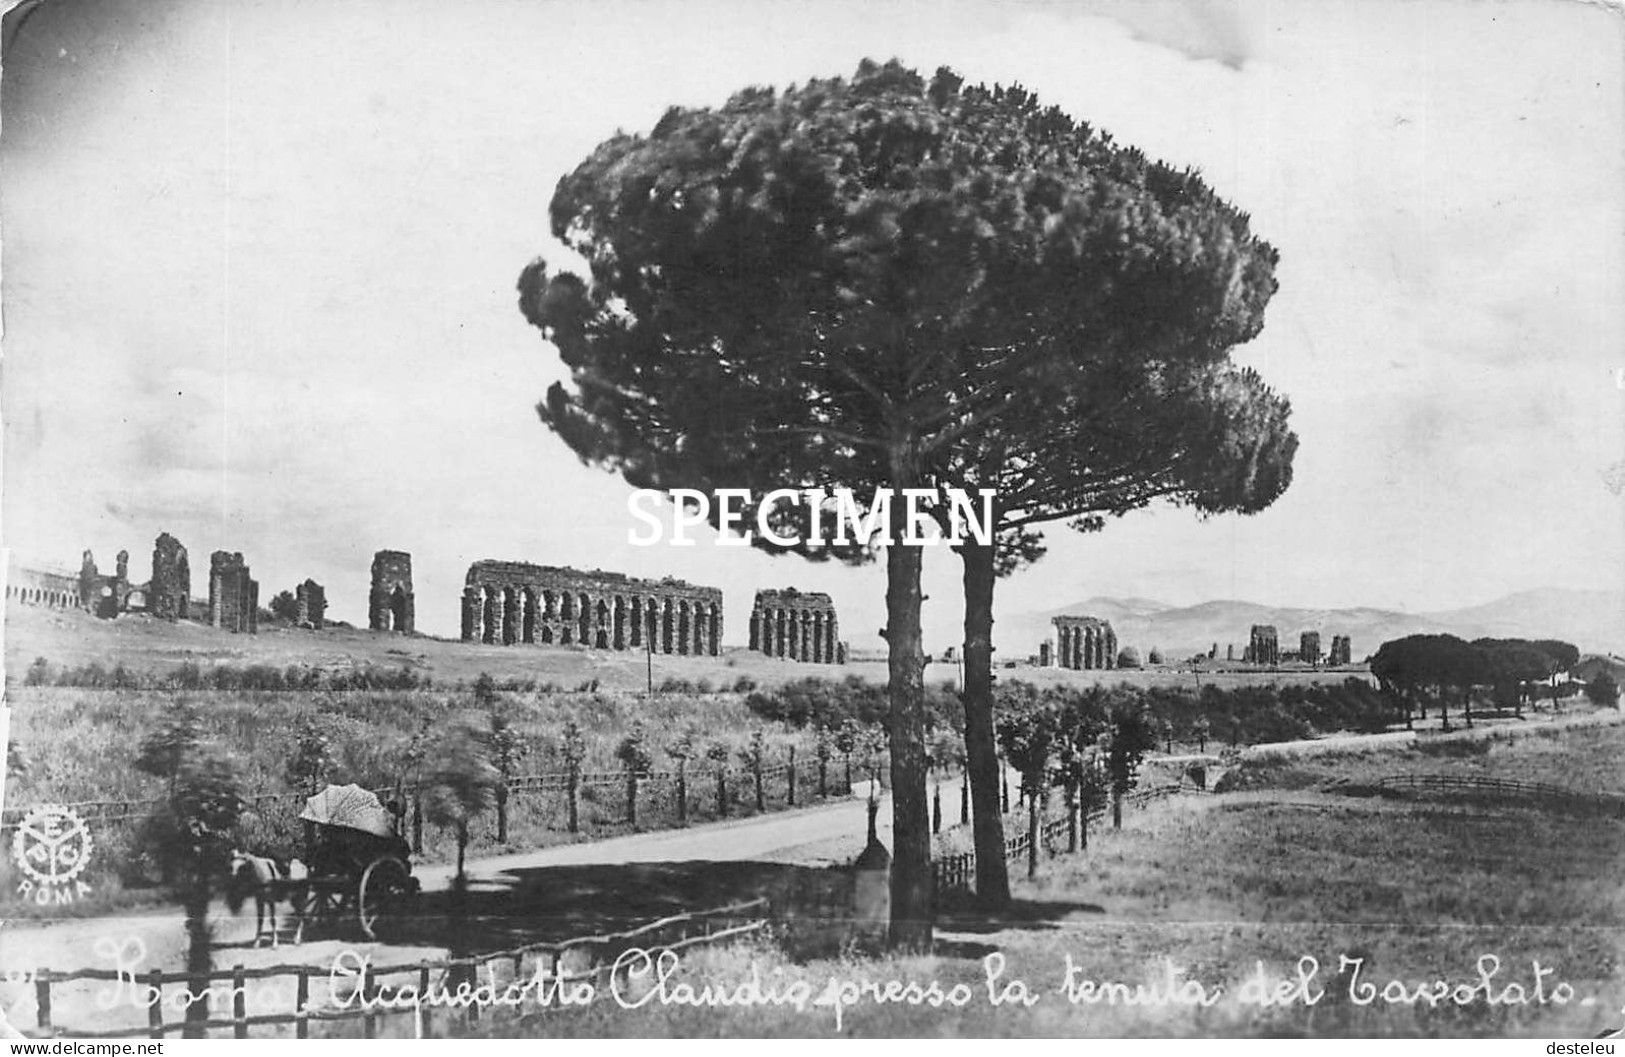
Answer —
239 1003
369 1023
301 998
155 1004
792 791
423 1006
42 1000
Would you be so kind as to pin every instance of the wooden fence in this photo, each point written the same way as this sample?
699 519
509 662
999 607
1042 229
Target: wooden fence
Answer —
957 872
1554 797
790 787
584 958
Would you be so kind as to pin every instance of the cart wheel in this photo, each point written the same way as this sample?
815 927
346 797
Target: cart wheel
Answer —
385 884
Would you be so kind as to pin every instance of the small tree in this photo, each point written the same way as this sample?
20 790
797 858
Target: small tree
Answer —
1131 736
717 753
39 673
485 690
1154 658
307 763
461 782
1028 733
682 750
1201 728
575 750
411 775
633 752
823 749
508 748
753 755
1128 657
846 742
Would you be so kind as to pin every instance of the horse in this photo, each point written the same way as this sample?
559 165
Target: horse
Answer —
270 883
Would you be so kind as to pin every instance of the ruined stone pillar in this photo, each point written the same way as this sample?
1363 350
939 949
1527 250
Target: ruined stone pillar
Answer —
499 617
716 629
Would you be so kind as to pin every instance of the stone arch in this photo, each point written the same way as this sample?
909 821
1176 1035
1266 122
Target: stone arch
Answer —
566 606
637 623
666 620
547 634
583 619
619 640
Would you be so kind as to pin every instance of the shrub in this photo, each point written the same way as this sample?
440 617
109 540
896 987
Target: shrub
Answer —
1603 690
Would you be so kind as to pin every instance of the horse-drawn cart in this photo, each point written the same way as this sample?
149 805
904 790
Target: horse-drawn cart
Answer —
360 866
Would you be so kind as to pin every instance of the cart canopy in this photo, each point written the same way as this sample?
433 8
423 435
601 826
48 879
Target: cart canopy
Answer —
352 807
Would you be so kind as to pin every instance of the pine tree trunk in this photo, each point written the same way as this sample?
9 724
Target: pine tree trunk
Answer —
981 752
790 790
1032 834
911 877
502 812
1117 810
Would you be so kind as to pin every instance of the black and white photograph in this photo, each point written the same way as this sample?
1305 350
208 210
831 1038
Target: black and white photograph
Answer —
974 519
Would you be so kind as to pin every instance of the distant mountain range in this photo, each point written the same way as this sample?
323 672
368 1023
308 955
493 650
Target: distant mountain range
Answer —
1592 620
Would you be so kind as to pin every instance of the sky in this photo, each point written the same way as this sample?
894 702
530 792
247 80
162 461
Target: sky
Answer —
259 264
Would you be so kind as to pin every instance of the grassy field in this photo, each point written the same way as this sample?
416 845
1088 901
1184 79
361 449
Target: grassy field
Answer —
81 745
72 638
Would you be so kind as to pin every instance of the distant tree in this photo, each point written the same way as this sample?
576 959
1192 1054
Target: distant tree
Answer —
1201 728
1514 666
1130 736
1603 689
508 749
754 757
309 757
1405 667
460 782
717 753
1028 731
823 749
636 759
682 749
39 673
284 607
173 741
485 690
575 750
1155 657
1128 657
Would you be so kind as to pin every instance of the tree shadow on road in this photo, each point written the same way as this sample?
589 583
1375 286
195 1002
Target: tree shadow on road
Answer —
553 903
